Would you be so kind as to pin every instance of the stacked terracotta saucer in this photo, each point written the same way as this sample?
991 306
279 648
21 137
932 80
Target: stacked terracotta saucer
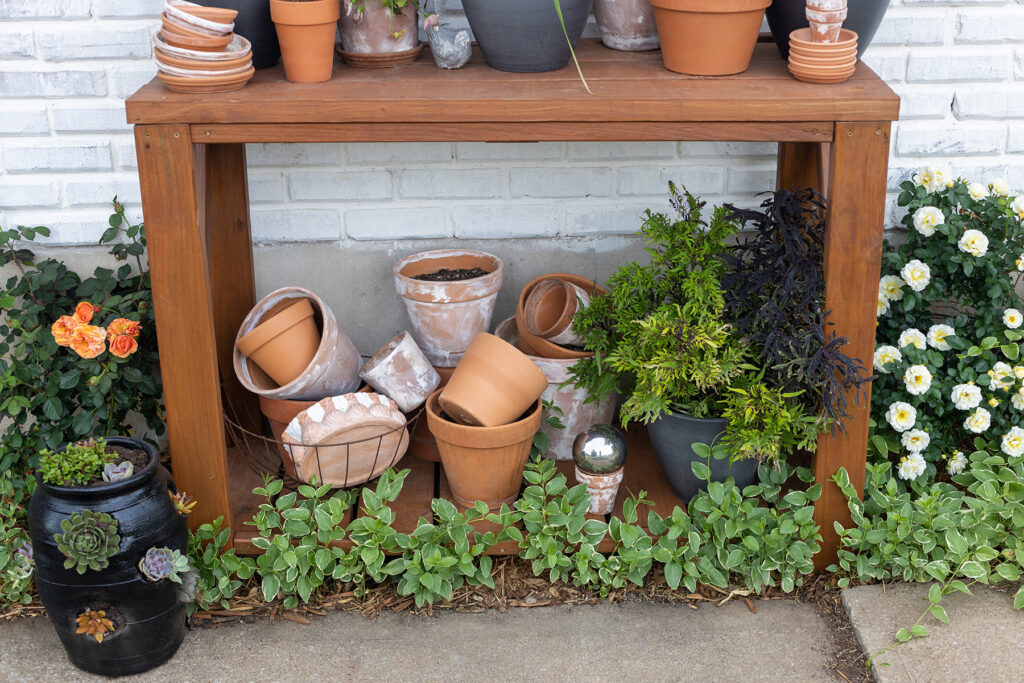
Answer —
816 62
197 51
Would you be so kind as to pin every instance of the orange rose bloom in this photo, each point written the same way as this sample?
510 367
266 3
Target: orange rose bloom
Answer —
88 341
63 329
123 326
84 311
123 345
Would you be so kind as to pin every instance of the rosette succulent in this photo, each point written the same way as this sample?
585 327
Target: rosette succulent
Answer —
119 472
164 563
182 502
88 541
94 623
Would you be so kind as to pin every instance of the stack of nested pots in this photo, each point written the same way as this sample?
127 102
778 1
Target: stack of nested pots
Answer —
197 51
824 52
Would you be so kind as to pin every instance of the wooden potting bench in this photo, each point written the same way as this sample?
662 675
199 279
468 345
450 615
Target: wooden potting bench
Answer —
192 168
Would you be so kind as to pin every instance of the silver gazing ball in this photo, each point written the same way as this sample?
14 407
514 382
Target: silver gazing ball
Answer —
599 449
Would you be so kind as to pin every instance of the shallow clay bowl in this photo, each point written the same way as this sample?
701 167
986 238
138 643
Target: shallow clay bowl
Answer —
206 84
193 74
220 15
801 38
202 64
214 19
823 61
172 24
823 70
205 44
819 79
238 47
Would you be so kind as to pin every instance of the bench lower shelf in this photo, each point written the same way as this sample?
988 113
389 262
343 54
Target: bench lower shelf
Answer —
427 481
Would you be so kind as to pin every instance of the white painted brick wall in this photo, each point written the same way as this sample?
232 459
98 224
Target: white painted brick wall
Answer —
65 149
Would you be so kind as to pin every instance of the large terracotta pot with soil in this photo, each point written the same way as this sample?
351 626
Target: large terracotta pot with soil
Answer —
708 38
483 463
115 524
334 368
535 345
372 36
863 18
626 24
423 445
305 31
401 372
576 414
492 385
449 295
526 36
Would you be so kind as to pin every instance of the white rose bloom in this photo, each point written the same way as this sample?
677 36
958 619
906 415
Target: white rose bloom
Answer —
1020 262
977 191
915 440
890 288
1012 318
1017 206
1018 399
924 177
937 337
886 354
881 308
957 463
912 336
978 421
916 274
912 467
927 218
942 177
966 396
1002 375
901 416
1013 442
917 379
999 187
973 242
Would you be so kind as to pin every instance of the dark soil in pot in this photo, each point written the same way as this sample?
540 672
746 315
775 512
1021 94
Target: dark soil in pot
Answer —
253 23
526 36
672 437
864 18
452 274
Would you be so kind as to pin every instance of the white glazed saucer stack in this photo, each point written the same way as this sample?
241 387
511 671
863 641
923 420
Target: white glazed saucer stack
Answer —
196 50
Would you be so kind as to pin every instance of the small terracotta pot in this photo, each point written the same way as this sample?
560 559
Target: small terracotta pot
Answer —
423 445
825 26
445 316
626 24
371 28
706 38
493 384
284 343
401 372
538 346
826 5
305 30
550 309
483 463
602 488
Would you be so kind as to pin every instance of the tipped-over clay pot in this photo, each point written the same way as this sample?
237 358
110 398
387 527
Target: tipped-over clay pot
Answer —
401 372
550 308
538 346
284 343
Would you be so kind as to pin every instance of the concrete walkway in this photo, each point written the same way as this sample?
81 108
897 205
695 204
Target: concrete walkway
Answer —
984 640
784 641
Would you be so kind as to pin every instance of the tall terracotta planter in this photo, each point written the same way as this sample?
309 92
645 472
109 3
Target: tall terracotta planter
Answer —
708 37
445 316
305 31
626 24
372 36
483 463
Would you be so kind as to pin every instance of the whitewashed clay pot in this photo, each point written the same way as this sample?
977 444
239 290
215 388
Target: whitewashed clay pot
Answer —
445 316
626 24
346 440
577 414
401 372
826 18
550 308
335 366
602 488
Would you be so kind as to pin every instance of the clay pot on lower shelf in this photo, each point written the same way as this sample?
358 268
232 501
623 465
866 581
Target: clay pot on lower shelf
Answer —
602 489
705 38
334 368
305 31
492 385
372 36
626 25
446 315
534 345
550 308
423 445
401 372
284 343
483 463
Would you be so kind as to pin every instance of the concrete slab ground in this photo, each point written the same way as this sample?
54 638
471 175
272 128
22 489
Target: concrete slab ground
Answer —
984 640
783 641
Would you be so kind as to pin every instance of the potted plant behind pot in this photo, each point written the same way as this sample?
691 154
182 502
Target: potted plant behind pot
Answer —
305 31
378 33
708 37
661 332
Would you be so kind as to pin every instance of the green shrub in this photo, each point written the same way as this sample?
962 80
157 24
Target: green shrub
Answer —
76 465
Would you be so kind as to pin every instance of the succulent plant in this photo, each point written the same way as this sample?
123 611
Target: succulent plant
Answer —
599 449
94 623
183 503
119 472
164 563
89 540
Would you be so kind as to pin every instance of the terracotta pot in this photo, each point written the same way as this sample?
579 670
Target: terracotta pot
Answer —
626 24
214 20
401 372
826 5
284 343
602 489
576 413
550 308
371 28
825 26
445 316
335 366
483 463
177 26
493 384
708 38
305 30
538 346
423 445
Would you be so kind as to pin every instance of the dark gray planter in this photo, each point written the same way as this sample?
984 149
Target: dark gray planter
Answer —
253 23
525 36
673 436
864 18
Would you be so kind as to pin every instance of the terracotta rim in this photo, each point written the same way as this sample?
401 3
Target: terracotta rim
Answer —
538 345
823 61
455 291
201 64
482 437
238 47
823 69
820 80
217 15
307 13
199 73
211 44
535 299
716 7
201 17
176 25
802 37
207 81
823 73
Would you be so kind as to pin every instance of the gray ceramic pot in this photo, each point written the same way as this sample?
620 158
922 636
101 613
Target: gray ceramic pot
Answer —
673 436
526 36
864 18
